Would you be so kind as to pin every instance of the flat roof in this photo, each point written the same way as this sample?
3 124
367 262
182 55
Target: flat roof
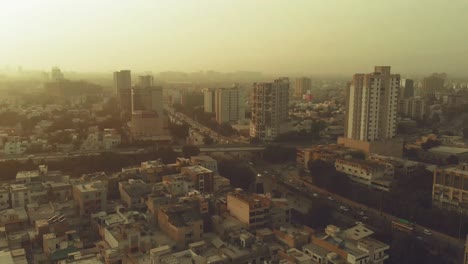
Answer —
449 150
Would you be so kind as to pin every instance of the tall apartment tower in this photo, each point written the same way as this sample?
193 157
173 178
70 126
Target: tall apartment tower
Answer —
229 105
269 104
145 81
149 98
301 86
56 74
209 100
406 88
372 105
432 84
123 86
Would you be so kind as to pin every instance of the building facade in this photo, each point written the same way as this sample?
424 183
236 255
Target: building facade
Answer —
301 86
414 107
270 108
372 105
123 86
209 100
229 105
450 188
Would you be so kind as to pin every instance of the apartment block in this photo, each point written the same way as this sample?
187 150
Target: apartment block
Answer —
270 109
91 197
251 209
202 178
414 107
371 173
353 246
450 188
181 223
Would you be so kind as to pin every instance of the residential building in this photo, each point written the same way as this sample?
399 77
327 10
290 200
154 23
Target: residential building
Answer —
450 188
413 107
368 172
145 81
270 108
133 193
148 120
251 209
229 105
372 105
431 85
181 223
91 197
353 246
205 161
209 100
406 88
56 74
202 178
123 87
302 86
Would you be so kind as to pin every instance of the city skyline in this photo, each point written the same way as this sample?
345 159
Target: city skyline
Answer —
171 36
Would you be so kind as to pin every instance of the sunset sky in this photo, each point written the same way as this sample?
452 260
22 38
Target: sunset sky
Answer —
304 36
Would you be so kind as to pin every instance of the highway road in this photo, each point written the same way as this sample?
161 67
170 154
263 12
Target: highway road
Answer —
203 129
288 180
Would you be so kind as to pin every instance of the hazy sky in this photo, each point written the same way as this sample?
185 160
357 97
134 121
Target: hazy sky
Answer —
309 36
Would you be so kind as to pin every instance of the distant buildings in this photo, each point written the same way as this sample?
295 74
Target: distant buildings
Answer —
450 188
123 87
56 74
432 84
413 107
145 81
229 105
148 120
301 86
209 99
406 88
371 111
270 109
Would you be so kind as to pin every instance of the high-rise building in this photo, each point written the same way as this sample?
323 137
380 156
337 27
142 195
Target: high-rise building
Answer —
56 74
301 86
148 98
209 100
432 84
372 105
229 105
406 88
269 102
145 81
148 120
414 107
123 86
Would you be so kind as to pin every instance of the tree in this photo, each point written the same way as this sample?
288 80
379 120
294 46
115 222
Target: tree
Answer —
465 132
452 159
238 173
190 150
430 143
279 154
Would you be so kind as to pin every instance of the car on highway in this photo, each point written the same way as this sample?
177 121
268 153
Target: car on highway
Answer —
419 238
362 213
331 198
31 156
358 223
365 218
315 194
427 232
344 208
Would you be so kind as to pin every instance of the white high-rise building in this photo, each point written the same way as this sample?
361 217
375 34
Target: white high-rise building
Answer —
270 108
372 105
209 100
229 105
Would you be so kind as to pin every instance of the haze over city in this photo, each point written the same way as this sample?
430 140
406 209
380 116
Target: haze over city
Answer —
233 132
303 36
